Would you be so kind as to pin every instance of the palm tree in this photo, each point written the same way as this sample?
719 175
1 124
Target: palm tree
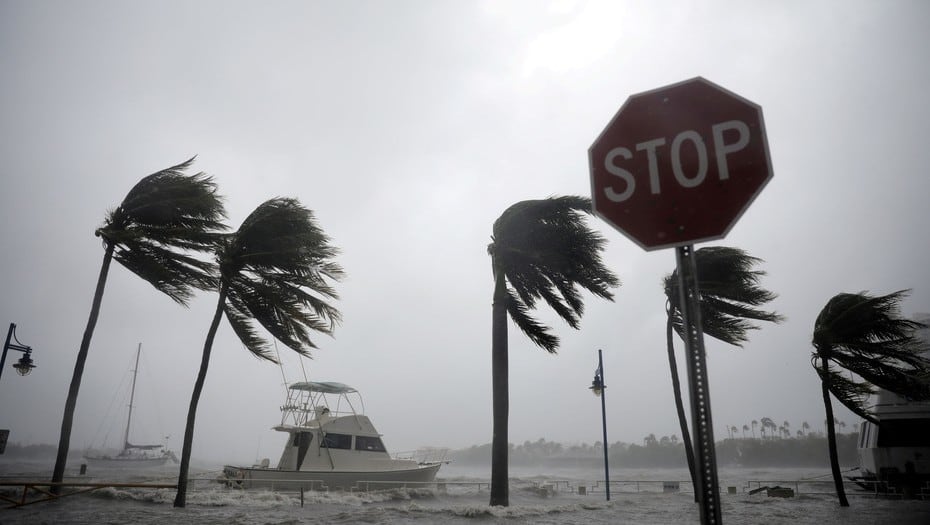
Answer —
276 269
806 427
866 336
767 423
540 249
730 295
164 217
745 428
754 423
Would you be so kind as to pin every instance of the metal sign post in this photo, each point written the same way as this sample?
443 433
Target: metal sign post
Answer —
703 436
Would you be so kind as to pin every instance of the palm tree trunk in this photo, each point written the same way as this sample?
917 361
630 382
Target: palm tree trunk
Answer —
500 491
680 406
181 498
831 435
64 441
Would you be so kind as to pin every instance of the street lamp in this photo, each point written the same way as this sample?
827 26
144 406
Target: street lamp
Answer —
24 365
598 387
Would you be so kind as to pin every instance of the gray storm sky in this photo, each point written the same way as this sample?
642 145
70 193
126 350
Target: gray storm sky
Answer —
408 127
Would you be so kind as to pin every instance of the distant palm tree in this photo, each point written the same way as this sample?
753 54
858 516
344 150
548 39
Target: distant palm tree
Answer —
730 295
767 424
745 428
866 336
276 269
733 430
164 217
540 249
806 427
754 423
787 428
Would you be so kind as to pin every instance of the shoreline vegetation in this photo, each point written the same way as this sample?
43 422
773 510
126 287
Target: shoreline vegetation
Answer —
806 451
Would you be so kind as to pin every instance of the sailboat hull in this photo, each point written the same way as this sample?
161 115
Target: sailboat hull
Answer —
125 462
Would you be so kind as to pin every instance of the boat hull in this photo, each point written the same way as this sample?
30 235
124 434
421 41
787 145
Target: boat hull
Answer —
261 478
126 463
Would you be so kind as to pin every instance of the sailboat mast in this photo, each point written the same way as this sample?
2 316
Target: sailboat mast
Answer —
132 395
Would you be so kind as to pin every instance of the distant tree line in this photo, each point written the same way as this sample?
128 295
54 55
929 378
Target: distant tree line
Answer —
669 452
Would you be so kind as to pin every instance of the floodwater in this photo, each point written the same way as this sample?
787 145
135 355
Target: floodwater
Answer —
538 496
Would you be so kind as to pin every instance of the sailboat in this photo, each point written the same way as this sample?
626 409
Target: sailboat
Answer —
133 456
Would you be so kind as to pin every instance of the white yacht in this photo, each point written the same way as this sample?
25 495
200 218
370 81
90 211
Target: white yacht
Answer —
897 450
332 446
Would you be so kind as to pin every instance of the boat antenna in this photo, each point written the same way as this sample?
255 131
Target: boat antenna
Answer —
300 359
280 364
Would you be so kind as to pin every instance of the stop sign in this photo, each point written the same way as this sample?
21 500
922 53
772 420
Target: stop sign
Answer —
679 164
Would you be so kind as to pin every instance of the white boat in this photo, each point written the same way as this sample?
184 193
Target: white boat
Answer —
332 446
896 452
132 456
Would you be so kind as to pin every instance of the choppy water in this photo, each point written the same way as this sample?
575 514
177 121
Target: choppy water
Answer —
636 498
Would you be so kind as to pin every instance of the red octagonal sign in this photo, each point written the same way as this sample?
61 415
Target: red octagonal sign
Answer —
679 164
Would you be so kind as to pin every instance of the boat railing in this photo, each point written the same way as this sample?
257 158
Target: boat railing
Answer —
439 485
424 455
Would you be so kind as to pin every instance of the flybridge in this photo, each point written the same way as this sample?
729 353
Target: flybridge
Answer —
311 401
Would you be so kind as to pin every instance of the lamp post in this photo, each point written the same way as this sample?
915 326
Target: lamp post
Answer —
24 365
598 387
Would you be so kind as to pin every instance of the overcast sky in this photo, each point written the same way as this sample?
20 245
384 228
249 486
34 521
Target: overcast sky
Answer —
408 127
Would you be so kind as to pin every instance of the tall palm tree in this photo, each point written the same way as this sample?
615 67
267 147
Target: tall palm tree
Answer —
164 217
745 428
805 426
730 296
866 337
754 423
540 249
276 269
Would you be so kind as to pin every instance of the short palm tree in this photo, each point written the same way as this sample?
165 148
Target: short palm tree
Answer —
730 296
276 269
163 219
869 345
540 249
